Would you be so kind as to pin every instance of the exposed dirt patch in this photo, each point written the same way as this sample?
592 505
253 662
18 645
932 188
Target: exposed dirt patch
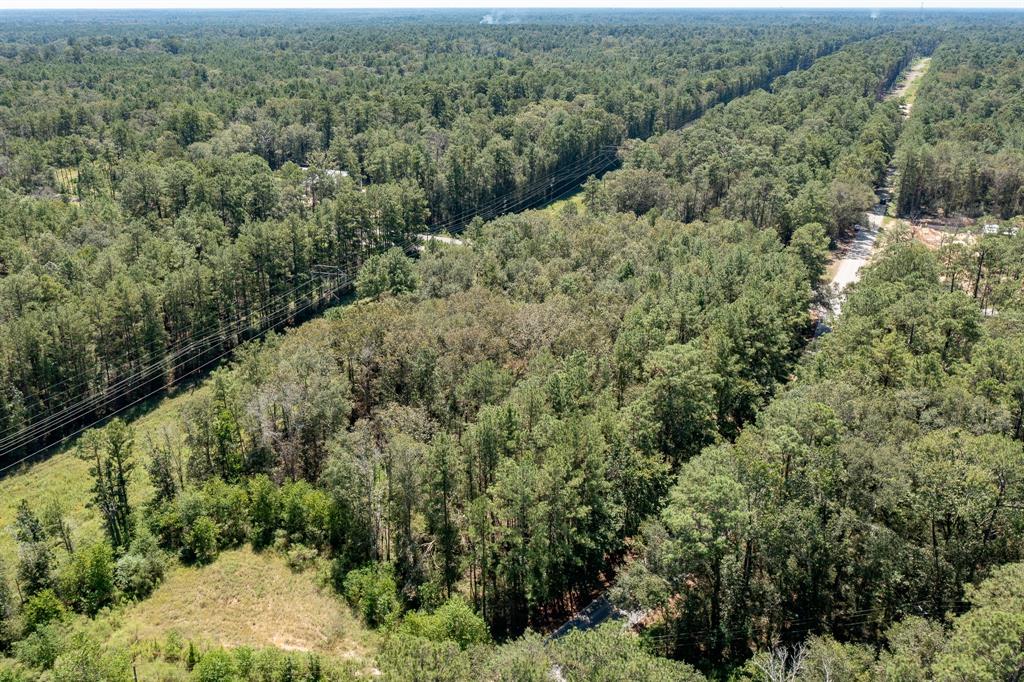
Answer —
908 86
934 231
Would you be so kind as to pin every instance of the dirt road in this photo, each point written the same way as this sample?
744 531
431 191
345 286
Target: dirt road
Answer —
451 241
857 252
855 256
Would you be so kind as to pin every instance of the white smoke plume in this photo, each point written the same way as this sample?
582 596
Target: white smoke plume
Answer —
492 18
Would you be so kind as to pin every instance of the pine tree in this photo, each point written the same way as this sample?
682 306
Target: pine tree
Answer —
35 560
166 469
27 526
110 451
192 657
443 486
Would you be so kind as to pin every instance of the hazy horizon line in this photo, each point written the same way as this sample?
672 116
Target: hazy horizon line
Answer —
532 5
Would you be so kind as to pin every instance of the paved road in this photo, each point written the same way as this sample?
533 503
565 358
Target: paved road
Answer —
597 612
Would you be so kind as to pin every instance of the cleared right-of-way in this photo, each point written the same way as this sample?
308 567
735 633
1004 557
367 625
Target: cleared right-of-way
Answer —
858 251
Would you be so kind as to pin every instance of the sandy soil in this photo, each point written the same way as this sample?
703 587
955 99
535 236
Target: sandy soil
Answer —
915 73
934 232
856 253
452 241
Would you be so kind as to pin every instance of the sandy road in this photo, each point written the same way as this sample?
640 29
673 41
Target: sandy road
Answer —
451 241
856 255
858 251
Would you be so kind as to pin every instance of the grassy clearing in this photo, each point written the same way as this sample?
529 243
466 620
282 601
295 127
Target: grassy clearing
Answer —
914 85
67 180
555 208
66 478
246 598
242 599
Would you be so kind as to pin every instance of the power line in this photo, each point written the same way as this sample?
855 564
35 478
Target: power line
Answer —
173 353
70 409
549 187
102 400
169 352
99 420
529 195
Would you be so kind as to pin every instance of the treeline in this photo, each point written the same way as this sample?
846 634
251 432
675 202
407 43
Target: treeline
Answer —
963 152
809 151
496 110
186 224
875 487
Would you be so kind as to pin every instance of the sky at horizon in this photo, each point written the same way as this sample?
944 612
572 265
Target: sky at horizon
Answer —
507 4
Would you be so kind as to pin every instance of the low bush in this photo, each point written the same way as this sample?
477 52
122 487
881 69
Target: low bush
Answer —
200 542
87 582
372 592
42 608
453 621
138 572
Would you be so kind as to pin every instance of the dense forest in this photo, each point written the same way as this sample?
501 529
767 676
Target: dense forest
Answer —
964 149
809 151
187 180
622 394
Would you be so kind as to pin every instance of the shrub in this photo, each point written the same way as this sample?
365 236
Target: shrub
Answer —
609 652
373 594
264 510
305 513
83 660
245 664
281 541
301 557
174 647
270 664
200 542
165 523
41 609
454 621
406 657
40 649
227 506
215 665
87 582
140 570
267 665
11 671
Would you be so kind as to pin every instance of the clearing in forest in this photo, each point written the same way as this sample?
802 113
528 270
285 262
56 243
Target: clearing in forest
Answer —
245 598
911 83
858 251
65 478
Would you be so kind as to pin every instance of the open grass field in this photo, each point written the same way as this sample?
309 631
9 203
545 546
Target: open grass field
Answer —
65 478
556 207
246 598
243 598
